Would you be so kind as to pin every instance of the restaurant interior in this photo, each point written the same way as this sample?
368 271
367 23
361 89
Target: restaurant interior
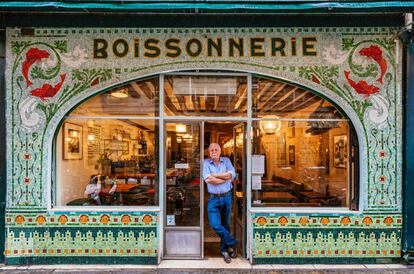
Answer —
304 139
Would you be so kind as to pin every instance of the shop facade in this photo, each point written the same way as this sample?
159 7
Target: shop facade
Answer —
311 117
86 62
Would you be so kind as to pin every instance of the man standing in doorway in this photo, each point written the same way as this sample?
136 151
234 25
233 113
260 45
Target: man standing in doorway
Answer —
218 173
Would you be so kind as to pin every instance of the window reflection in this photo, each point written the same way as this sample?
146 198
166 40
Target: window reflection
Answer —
117 164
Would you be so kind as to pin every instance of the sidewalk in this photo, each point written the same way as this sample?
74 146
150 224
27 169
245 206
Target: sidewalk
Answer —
210 265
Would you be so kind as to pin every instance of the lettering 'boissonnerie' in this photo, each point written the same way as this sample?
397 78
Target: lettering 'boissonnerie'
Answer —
258 47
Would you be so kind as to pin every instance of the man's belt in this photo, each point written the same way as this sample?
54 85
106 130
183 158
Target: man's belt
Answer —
220 194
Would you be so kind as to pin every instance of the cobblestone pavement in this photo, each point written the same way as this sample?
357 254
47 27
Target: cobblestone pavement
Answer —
211 265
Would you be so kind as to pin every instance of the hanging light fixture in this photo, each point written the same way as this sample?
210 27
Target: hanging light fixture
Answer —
120 92
180 128
270 126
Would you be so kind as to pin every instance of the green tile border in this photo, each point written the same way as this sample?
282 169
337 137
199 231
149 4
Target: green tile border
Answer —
83 260
329 260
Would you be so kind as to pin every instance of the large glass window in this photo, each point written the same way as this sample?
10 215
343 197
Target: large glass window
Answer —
136 98
110 162
107 149
304 141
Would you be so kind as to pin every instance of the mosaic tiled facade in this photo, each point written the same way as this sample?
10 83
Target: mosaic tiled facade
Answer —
96 238
294 238
52 70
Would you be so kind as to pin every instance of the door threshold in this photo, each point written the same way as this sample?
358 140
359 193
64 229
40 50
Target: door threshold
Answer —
206 263
179 258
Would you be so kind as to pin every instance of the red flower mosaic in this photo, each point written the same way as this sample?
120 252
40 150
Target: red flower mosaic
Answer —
27 180
382 179
382 154
27 156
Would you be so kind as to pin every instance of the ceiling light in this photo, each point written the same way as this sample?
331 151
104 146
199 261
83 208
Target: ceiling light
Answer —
120 93
180 128
270 126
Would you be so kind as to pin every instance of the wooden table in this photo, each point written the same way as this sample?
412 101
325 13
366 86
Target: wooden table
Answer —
310 195
281 196
135 175
275 186
120 189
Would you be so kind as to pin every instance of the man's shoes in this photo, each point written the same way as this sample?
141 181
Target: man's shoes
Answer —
226 257
233 250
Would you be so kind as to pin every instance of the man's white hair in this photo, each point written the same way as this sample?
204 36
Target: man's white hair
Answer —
213 144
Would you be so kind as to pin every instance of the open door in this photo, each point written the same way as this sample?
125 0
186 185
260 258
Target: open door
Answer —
239 160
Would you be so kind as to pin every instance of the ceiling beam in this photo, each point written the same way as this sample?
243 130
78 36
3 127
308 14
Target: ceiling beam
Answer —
237 98
283 97
296 99
172 97
309 101
272 94
266 87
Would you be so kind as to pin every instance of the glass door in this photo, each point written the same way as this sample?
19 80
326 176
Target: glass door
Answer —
183 206
239 160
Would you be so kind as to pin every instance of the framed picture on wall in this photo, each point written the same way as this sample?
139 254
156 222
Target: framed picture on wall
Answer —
292 155
281 150
72 141
340 151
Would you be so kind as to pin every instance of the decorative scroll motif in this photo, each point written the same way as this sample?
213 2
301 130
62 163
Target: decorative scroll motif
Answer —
375 102
40 88
279 237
